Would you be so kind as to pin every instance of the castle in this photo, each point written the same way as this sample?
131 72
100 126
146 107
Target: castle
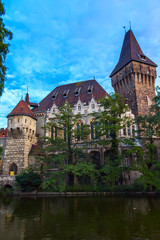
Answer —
133 77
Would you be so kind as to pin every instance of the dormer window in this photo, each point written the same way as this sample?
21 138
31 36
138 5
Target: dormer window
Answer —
142 57
77 91
65 93
54 96
90 89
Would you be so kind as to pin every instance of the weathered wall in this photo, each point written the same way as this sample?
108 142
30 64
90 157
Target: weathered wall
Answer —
136 83
21 136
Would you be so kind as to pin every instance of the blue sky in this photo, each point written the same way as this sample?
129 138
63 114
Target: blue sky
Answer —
62 41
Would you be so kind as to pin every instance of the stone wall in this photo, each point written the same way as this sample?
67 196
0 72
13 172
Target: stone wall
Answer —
18 145
136 83
7 180
14 153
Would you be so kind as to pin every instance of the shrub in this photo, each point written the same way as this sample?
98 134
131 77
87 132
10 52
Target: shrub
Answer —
28 181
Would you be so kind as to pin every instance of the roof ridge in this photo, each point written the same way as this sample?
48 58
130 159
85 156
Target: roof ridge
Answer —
76 82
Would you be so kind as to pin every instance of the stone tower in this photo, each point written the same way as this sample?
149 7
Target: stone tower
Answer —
21 136
134 76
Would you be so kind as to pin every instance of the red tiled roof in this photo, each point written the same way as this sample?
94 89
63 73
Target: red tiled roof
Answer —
57 95
131 51
22 109
3 132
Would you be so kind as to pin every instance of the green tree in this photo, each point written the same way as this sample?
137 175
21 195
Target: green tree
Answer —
110 121
28 181
4 47
155 107
64 148
148 130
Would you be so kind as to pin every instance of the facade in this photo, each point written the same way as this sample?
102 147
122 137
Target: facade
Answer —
133 77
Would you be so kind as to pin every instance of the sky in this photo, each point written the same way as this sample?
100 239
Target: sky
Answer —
57 42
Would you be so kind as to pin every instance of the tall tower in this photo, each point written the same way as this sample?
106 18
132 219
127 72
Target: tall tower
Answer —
21 137
134 76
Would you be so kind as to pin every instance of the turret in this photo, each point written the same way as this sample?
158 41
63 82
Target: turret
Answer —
134 76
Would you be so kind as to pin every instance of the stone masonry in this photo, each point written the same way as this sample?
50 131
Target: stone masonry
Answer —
136 83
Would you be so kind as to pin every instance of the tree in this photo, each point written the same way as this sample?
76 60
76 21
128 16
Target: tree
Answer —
155 107
63 148
28 181
4 47
148 131
110 121
108 124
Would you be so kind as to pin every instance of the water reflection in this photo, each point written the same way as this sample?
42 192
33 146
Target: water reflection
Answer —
79 218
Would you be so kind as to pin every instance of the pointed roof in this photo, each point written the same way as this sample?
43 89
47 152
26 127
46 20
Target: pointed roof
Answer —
27 98
22 108
131 51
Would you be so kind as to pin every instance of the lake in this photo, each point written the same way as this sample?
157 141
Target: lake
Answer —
79 218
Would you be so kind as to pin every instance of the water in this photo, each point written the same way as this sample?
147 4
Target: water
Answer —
79 218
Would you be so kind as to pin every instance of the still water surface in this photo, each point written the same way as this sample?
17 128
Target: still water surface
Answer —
79 218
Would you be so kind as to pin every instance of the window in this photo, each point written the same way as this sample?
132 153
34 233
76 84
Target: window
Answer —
92 131
52 132
65 93
79 107
90 89
129 131
93 106
54 96
124 131
25 120
77 91
64 132
133 130
78 132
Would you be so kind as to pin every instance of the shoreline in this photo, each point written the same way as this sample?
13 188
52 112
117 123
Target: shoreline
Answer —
83 194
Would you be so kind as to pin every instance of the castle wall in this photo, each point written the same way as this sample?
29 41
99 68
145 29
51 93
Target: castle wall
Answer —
14 153
21 137
136 83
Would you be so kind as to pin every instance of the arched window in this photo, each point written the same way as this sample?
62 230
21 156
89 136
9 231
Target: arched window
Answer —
129 131
133 130
79 107
13 169
92 131
78 132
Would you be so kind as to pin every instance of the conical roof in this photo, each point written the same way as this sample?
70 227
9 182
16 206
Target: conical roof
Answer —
131 51
22 109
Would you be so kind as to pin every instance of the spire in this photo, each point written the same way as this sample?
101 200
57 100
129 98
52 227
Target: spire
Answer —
22 109
27 98
131 51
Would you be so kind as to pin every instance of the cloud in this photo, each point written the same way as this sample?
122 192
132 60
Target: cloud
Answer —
60 42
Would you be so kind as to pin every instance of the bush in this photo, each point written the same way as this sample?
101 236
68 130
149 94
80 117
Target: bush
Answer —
28 181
